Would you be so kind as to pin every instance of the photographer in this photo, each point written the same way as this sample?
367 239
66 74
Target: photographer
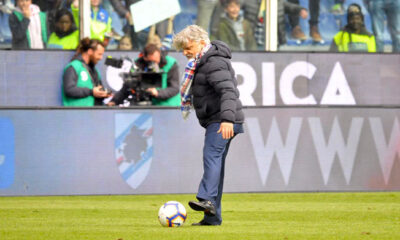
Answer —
81 79
152 59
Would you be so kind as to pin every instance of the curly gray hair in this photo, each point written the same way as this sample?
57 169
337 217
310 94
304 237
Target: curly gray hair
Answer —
190 33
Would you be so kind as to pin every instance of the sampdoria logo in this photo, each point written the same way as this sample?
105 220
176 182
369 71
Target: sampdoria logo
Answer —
133 146
6 153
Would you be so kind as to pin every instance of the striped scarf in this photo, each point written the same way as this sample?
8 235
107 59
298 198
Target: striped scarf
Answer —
186 93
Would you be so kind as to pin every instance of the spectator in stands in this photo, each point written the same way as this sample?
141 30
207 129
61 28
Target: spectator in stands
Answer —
66 35
46 5
380 11
123 8
234 29
166 43
259 30
354 37
337 8
139 39
6 8
205 9
167 95
100 25
81 79
28 26
51 7
125 43
297 32
250 8
153 38
285 7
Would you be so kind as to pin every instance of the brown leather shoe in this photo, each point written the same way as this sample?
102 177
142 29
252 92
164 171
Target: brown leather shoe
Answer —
297 33
314 33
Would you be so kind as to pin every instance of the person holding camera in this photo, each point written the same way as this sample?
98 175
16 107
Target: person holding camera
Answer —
81 79
152 59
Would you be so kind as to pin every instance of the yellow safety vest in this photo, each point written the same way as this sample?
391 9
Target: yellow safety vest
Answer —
352 42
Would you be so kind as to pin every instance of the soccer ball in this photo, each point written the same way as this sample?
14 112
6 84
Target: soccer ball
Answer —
172 214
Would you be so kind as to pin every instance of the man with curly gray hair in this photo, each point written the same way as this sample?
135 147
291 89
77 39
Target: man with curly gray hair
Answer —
191 34
210 86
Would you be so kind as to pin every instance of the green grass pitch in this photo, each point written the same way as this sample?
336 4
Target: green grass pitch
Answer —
246 216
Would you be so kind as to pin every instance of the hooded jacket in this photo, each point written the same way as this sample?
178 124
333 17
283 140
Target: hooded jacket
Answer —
214 89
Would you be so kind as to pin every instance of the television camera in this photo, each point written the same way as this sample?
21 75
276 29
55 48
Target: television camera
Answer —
138 80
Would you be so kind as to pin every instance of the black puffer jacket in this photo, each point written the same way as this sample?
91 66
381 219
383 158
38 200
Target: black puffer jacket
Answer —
215 93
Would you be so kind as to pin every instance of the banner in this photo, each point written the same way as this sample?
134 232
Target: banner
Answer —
265 79
142 151
149 12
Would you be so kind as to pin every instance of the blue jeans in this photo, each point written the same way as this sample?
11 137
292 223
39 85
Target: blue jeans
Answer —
378 9
214 154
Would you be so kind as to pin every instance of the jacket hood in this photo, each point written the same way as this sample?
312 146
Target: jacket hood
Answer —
218 48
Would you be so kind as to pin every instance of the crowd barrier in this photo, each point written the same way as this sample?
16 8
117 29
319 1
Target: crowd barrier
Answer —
65 151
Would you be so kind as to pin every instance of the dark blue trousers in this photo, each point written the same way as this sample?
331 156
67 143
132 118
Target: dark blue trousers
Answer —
214 154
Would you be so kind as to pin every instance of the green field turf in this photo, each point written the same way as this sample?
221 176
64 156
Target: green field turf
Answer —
246 216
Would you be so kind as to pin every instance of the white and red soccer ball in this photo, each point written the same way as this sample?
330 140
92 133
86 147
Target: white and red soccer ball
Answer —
172 214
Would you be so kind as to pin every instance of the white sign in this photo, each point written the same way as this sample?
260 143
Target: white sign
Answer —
149 12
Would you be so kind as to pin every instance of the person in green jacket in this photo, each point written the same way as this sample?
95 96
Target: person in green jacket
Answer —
81 80
153 59
354 37
28 26
66 35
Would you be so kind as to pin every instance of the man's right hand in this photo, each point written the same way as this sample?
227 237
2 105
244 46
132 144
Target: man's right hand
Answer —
98 92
